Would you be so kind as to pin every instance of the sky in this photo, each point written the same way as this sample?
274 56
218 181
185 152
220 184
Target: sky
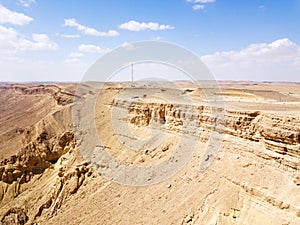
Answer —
59 40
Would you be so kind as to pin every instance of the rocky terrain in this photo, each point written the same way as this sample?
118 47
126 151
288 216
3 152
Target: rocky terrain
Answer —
250 143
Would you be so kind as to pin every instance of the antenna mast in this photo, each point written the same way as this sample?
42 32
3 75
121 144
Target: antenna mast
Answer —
131 72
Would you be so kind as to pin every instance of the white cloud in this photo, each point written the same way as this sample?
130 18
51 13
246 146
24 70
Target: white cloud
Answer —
201 1
197 7
282 49
70 35
158 38
200 6
125 44
10 17
40 42
92 49
88 30
73 58
72 61
8 40
76 55
128 46
278 60
11 42
26 3
137 26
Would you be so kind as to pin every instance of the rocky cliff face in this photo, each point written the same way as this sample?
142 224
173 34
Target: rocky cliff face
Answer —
254 178
38 178
278 134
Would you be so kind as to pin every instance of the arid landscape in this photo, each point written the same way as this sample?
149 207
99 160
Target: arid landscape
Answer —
48 177
182 112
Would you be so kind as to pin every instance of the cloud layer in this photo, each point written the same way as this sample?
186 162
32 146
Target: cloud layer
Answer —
12 42
88 30
10 17
197 7
26 3
91 49
273 61
201 5
82 51
133 25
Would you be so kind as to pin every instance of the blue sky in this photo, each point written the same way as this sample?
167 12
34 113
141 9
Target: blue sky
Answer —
238 40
